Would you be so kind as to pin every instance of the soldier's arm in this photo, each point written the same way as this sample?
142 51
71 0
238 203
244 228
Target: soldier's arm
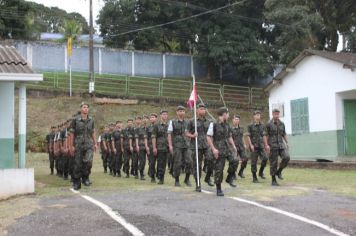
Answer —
232 143
93 136
113 145
154 140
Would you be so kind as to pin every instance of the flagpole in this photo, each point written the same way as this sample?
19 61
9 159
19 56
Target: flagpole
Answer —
196 138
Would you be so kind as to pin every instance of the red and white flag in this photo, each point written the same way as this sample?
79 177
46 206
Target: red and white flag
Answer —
193 97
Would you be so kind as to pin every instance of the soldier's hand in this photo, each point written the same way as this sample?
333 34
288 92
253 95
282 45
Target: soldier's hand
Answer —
148 151
155 151
171 149
216 153
137 149
268 149
252 148
195 135
131 149
95 147
115 151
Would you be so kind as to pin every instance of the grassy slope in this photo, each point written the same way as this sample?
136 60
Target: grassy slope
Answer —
44 112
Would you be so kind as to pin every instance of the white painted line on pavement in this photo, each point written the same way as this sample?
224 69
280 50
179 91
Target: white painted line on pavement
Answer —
289 214
113 214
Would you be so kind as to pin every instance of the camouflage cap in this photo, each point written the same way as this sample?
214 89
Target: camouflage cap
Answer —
201 105
276 110
163 111
256 112
180 108
222 110
84 104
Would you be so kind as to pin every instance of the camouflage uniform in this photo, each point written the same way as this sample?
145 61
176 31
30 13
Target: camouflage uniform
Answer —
160 134
237 136
65 156
221 132
110 154
104 153
49 141
141 135
117 162
152 159
127 134
134 156
257 131
180 147
84 147
57 156
275 132
204 151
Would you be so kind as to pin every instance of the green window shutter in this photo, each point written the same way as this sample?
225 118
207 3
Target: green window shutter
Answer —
300 116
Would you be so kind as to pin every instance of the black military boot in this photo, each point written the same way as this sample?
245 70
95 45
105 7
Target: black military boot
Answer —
274 181
279 174
119 173
230 180
161 181
219 192
136 174
260 173
255 180
65 177
52 171
208 181
177 184
114 173
241 173
127 175
76 184
105 170
153 180
187 181
85 181
142 175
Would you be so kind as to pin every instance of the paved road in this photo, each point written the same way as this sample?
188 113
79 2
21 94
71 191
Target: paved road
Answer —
163 211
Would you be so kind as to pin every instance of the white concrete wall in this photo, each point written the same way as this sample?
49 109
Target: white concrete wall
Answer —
317 79
16 181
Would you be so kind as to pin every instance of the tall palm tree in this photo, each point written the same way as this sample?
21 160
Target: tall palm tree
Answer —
71 29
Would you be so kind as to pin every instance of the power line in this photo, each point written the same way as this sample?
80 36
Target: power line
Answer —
180 20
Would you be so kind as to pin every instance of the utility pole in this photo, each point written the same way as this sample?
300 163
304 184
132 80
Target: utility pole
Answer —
91 48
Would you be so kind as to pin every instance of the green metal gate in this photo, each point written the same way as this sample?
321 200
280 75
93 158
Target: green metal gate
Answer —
350 126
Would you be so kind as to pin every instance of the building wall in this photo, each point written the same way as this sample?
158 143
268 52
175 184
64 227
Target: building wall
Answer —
324 83
319 80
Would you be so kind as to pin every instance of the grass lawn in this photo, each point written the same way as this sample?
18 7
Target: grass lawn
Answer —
297 182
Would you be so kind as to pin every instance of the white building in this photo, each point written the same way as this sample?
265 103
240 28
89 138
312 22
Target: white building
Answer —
316 93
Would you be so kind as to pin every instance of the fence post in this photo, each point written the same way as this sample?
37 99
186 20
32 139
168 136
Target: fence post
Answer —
127 85
250 93
160 85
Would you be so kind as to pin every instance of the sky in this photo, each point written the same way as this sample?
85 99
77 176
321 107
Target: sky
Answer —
80 6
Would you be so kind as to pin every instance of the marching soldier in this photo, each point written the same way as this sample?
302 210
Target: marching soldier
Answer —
219 139
203 148
256 133
84 146
134 161
238 137
104 149
57 151
128 134
118 144
160 145
65 150
110 156
275 144
178 146
141 145
152 159
49 148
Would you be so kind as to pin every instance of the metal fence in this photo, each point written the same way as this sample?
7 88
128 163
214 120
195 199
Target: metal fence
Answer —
143 87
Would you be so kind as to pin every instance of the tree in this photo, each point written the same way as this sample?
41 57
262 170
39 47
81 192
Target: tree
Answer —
301 27
72 30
